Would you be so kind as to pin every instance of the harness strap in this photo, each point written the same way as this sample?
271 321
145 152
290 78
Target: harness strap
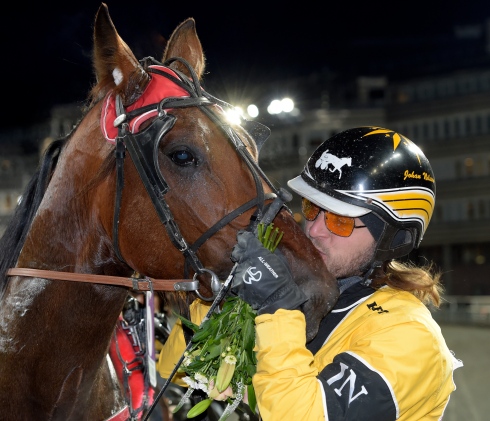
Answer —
120 153
223 222
138 284
155 184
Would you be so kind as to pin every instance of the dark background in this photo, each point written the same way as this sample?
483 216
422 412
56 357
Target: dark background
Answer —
46 46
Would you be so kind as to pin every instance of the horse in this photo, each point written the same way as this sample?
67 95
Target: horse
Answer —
147 193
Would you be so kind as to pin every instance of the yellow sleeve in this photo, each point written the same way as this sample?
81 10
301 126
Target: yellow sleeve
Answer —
175 345
285 383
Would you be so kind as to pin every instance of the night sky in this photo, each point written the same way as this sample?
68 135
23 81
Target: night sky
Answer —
46 46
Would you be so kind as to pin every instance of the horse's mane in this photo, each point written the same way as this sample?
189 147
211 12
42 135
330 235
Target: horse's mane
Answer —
15 234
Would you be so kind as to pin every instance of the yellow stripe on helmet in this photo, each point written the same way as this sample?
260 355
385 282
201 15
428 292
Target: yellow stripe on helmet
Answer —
404 204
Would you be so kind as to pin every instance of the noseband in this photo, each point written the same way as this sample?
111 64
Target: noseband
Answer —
143 149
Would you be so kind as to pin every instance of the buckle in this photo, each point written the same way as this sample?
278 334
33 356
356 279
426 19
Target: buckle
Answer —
186 286
138 284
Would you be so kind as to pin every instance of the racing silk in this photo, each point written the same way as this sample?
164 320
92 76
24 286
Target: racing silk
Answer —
379 355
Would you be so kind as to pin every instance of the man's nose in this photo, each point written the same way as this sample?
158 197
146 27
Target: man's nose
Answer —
317 227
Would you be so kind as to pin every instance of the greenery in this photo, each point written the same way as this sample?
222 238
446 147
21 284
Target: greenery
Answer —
221 360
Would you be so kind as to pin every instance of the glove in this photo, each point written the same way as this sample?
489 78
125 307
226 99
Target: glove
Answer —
263 278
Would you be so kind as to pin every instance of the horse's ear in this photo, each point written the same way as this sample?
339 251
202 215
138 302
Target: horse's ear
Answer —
114 62
185 43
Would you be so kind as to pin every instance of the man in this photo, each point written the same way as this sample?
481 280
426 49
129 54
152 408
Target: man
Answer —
367 196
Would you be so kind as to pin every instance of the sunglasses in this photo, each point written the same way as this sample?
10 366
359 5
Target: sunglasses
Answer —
343 226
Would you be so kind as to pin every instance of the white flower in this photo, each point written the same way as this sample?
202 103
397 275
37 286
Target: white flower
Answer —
187 361
202 386
191 382
230 359
201 378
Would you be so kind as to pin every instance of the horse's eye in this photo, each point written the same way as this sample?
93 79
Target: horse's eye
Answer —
183 157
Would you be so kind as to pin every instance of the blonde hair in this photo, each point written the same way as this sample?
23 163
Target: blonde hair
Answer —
422 281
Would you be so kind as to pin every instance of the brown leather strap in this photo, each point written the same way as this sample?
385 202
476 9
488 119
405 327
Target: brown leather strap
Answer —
139 284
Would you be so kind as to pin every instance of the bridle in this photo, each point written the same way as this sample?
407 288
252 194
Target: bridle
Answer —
143 149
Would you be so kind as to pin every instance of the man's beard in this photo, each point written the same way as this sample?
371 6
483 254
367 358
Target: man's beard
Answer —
350 265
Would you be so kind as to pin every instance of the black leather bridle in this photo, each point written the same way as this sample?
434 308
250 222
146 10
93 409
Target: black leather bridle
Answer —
143 149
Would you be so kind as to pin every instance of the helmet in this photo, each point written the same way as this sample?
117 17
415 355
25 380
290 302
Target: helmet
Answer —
373 170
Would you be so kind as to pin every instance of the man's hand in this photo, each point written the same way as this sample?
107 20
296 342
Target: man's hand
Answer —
263 278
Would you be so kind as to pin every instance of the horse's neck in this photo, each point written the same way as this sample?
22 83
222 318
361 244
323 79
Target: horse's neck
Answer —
65 233
57 333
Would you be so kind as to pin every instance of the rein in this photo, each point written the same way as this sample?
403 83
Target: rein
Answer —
138 284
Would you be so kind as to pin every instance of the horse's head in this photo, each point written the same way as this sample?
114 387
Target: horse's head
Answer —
192 180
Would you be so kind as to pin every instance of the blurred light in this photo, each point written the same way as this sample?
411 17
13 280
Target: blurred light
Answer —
234 115
274 107
252 110
285 105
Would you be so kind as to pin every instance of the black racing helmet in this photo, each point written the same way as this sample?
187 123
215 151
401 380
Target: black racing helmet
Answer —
373 170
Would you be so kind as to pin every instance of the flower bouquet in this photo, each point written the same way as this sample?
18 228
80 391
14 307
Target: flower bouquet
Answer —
220 360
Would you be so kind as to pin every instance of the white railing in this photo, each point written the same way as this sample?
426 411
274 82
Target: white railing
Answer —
468 309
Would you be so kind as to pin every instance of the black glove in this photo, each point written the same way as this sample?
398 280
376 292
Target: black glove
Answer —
262 278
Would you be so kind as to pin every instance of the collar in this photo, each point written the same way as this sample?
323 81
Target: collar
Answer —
346 283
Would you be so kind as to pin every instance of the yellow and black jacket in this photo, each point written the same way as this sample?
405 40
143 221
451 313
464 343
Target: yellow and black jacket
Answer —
379 355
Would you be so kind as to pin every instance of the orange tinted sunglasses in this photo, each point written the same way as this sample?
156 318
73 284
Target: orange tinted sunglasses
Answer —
342 226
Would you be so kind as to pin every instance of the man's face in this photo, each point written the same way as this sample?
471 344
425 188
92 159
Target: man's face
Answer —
343 256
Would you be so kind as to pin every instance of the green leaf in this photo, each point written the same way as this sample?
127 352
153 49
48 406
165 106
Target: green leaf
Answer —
213 352
199 408
251 369
188 323
248 334
252 399
204 331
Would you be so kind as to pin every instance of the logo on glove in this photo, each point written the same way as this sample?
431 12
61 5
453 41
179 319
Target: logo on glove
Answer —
252 275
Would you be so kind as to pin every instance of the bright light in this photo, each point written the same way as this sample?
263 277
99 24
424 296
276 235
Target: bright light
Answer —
286 105
234 115
274 107
252 110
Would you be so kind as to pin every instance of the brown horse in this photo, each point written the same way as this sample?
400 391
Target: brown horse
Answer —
188 178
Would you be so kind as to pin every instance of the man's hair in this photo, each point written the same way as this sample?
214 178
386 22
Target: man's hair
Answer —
422 281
